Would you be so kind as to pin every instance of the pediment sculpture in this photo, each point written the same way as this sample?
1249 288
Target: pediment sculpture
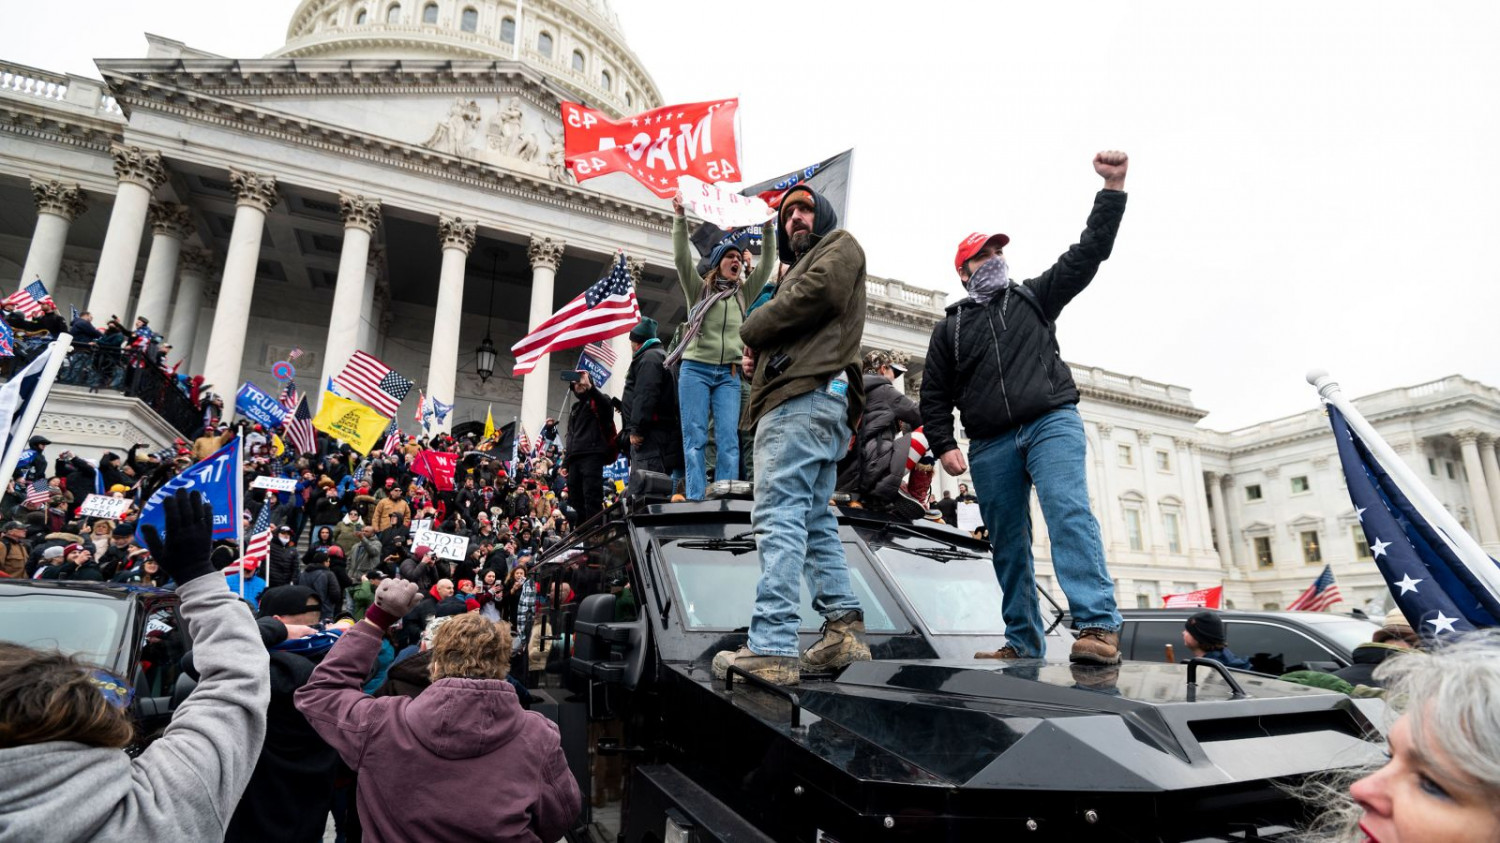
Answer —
501 140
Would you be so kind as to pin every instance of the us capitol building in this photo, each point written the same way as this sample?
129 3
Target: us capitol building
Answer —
391 180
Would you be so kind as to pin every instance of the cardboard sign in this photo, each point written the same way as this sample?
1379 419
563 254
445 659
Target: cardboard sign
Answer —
275 484
259 407
101 506
419 524
721 206
446 545
968 517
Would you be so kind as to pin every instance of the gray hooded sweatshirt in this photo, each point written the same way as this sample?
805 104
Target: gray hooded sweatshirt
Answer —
186 784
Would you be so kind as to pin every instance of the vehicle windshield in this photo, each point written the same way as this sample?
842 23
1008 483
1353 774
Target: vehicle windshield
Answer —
1348 632
88 628
716 581
955 593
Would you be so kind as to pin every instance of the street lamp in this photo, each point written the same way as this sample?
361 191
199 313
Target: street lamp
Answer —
484 355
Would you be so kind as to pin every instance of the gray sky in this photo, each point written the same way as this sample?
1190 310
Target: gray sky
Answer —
1309 181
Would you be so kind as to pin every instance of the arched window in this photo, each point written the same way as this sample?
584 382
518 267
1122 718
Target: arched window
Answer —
578 61
469 21
544 44
605 81
508 30
429 13
629 100
361 18
393 14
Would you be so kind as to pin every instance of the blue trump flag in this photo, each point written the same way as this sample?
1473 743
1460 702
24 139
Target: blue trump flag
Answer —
218 479
1435 589
259 407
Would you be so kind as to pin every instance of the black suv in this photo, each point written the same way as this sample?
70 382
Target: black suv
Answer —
923 742
135 632
1273 642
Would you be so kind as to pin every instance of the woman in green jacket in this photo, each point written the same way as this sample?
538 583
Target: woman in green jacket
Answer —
708 384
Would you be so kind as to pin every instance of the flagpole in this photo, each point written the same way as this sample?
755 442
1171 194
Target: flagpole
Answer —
239 517
59 351
1473 556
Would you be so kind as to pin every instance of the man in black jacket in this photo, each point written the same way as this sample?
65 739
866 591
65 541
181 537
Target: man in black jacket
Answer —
283 558
317 577
995 356
649 405
591 446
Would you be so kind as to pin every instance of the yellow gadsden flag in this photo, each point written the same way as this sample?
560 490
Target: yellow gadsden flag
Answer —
350 421
489 422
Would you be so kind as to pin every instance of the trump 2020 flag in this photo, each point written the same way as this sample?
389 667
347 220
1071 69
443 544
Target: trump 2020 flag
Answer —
217 479
1434 588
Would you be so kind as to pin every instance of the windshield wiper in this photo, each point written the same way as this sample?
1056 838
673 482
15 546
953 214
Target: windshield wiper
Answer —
940 554
890 526
742 543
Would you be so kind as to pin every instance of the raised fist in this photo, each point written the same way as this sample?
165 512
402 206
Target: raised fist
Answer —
1111 164
677 203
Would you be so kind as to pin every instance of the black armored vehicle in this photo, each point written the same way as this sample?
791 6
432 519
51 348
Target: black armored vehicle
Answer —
923 743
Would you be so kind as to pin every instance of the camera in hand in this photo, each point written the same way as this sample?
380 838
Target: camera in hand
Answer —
571 377
776 365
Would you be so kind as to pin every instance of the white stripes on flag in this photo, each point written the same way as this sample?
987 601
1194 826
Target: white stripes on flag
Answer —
256 548
601 352
370 381
574 325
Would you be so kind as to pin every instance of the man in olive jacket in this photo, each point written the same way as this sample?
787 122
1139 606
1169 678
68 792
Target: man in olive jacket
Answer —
805 395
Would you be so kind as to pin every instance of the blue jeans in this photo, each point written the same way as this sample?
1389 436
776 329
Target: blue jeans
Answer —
797 449
704 389
1049 452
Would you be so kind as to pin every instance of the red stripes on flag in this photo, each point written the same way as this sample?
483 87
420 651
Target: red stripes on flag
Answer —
1324 592
602 352
256 549
374 383
614 311
298 425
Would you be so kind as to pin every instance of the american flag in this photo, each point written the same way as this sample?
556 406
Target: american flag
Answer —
1434 587
38 493
523 443
30 299
1324 592
299 429
392 439
294 354
256 549
374 383
606 309
263 518
602 352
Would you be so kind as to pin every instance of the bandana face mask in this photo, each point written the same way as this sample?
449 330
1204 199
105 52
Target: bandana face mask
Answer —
992 277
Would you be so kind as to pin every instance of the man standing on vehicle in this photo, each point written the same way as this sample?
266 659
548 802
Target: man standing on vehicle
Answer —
591 445
805 395
995 356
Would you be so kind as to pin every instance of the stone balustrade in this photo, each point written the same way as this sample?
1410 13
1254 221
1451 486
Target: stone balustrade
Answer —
19 80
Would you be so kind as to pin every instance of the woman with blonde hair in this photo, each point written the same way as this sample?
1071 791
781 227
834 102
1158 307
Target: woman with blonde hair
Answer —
1441 783
64 724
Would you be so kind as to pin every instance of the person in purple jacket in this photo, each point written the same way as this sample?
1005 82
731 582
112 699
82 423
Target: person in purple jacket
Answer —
467 726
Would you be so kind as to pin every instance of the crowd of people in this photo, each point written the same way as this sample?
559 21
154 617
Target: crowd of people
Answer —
356 671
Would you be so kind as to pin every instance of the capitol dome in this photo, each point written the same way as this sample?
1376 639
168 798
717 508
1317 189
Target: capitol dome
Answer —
575 43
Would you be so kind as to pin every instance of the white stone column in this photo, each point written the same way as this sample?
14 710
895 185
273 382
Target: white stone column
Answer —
1151 527
140 173
1200 496
361 217
57 205
457 237
182 331
256 194
1109 490
170 225
1491 473
545 254
1221 523
367 303
1192 519
1479 491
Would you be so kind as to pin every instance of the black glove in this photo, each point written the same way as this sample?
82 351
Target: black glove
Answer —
189 542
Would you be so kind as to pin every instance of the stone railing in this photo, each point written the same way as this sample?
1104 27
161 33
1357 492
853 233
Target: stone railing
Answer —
122 370
1138 387
19 80
891 289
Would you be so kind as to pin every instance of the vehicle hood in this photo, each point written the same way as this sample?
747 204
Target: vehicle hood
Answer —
1033 725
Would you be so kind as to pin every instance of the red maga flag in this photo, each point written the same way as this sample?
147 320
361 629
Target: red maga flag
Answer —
437 466
1203 598
655 147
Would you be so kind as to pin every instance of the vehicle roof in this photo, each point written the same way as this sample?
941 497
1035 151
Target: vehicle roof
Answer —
84 590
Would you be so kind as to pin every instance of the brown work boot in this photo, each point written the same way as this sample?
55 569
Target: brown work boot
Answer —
778 670
1096 646
1006 652
842 643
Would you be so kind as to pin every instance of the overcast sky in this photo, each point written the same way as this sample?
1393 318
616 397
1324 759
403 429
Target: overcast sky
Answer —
1312 184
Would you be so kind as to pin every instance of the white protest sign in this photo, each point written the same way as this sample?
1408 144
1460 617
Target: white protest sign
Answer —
275 484
968 517
446 545
100 506
721 206
420 524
